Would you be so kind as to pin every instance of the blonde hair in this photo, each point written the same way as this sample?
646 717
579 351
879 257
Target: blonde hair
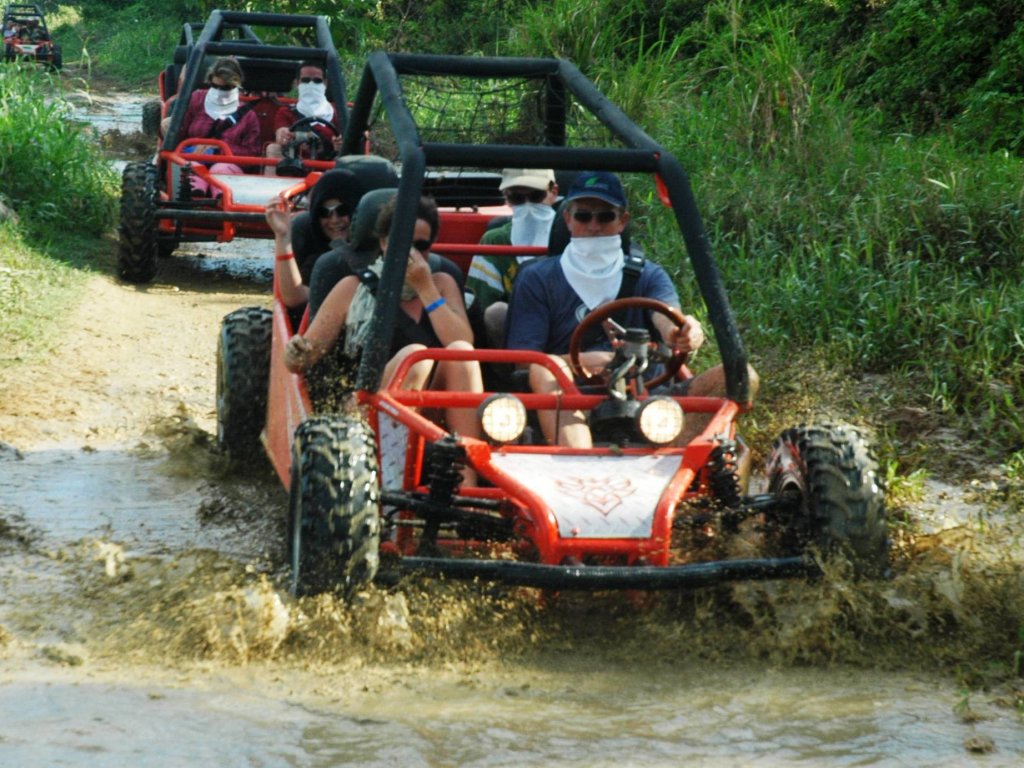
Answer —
227 69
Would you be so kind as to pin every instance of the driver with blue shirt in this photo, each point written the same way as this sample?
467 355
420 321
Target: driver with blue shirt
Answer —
553 296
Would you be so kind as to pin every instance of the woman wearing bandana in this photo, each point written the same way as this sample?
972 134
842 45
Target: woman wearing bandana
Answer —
216 112
311 83
432 314
553 296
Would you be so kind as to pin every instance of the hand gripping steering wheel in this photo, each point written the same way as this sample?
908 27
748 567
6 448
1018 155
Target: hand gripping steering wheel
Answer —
307 123
672 361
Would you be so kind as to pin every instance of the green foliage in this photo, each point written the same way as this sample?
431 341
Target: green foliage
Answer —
50 167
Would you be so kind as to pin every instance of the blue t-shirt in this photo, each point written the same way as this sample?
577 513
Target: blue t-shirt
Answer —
544 309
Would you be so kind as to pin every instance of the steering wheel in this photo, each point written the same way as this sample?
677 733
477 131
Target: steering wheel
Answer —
672 362
307 124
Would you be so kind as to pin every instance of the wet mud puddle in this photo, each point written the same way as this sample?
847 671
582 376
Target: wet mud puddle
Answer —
143 622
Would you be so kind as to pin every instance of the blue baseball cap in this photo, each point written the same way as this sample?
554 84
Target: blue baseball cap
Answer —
600 184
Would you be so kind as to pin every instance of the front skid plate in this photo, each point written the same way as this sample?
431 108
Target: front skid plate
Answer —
602 577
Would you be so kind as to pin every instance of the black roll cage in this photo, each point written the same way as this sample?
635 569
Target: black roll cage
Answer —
640 154
210 43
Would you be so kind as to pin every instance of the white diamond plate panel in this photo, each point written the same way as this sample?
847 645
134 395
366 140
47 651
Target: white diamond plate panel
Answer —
249 189
601 497
394 440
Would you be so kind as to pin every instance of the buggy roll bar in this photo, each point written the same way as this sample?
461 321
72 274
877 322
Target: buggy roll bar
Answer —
209 43
641 154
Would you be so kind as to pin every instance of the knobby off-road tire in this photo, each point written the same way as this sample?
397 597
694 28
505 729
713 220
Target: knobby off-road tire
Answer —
137 231
151 118
243 378
334 507
833 472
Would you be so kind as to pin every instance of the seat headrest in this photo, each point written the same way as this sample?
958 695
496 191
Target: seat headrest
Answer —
363 235
370 172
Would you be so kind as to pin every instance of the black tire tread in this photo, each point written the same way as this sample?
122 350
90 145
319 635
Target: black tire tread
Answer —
243 379
843 509
137 230
151 112
335 483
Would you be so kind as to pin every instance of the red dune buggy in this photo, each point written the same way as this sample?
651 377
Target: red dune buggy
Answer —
159 207
378 482
30 38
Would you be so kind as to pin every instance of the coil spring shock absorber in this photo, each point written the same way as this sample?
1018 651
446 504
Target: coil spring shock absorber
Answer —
443 473
723 474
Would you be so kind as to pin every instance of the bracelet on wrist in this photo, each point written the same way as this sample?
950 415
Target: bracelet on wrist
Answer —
285 256
434 305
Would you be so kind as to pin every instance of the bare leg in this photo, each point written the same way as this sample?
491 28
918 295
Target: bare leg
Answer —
273 150
568 429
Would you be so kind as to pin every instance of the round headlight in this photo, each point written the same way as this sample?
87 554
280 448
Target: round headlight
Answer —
503 418
660 420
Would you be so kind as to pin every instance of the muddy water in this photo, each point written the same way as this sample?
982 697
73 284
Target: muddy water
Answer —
143 622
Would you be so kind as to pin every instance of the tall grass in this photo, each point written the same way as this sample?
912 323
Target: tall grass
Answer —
63 192
876 252
51 170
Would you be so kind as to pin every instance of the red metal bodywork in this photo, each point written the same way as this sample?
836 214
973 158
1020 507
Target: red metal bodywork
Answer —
536 528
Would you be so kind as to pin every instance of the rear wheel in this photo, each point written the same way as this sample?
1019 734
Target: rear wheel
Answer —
243 378
334 506
151 118
137 231
831 477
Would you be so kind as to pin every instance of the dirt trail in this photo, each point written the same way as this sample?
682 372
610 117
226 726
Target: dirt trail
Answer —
130 355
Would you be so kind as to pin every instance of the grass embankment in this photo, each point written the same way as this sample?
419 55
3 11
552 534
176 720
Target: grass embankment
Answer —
62 194
844 243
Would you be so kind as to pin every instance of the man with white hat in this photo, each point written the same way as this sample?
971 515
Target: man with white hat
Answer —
530 193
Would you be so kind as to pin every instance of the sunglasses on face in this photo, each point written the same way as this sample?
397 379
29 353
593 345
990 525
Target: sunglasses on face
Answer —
316 80
223 87
518 198
603 217
423 246
338 210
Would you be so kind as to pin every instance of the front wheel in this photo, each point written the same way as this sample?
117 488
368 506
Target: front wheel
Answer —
334 506
243 379
151 114
137 230
827 480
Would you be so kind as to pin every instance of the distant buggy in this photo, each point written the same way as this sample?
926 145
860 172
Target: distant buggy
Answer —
27 38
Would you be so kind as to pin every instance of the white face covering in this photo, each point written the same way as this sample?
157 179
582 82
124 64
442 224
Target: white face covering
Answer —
531 225
219 104
593 267
313 101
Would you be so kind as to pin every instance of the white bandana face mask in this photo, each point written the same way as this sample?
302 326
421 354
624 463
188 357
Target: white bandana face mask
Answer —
313 101
531 225
593 267
219 104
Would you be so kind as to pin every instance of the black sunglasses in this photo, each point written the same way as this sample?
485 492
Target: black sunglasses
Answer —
423 246
339 210
316 80
518 198
603 217
223 87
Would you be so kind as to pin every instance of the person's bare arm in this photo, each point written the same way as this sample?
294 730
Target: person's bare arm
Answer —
294 292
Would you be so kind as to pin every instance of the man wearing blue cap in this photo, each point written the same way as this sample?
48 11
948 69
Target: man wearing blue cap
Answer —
554 295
